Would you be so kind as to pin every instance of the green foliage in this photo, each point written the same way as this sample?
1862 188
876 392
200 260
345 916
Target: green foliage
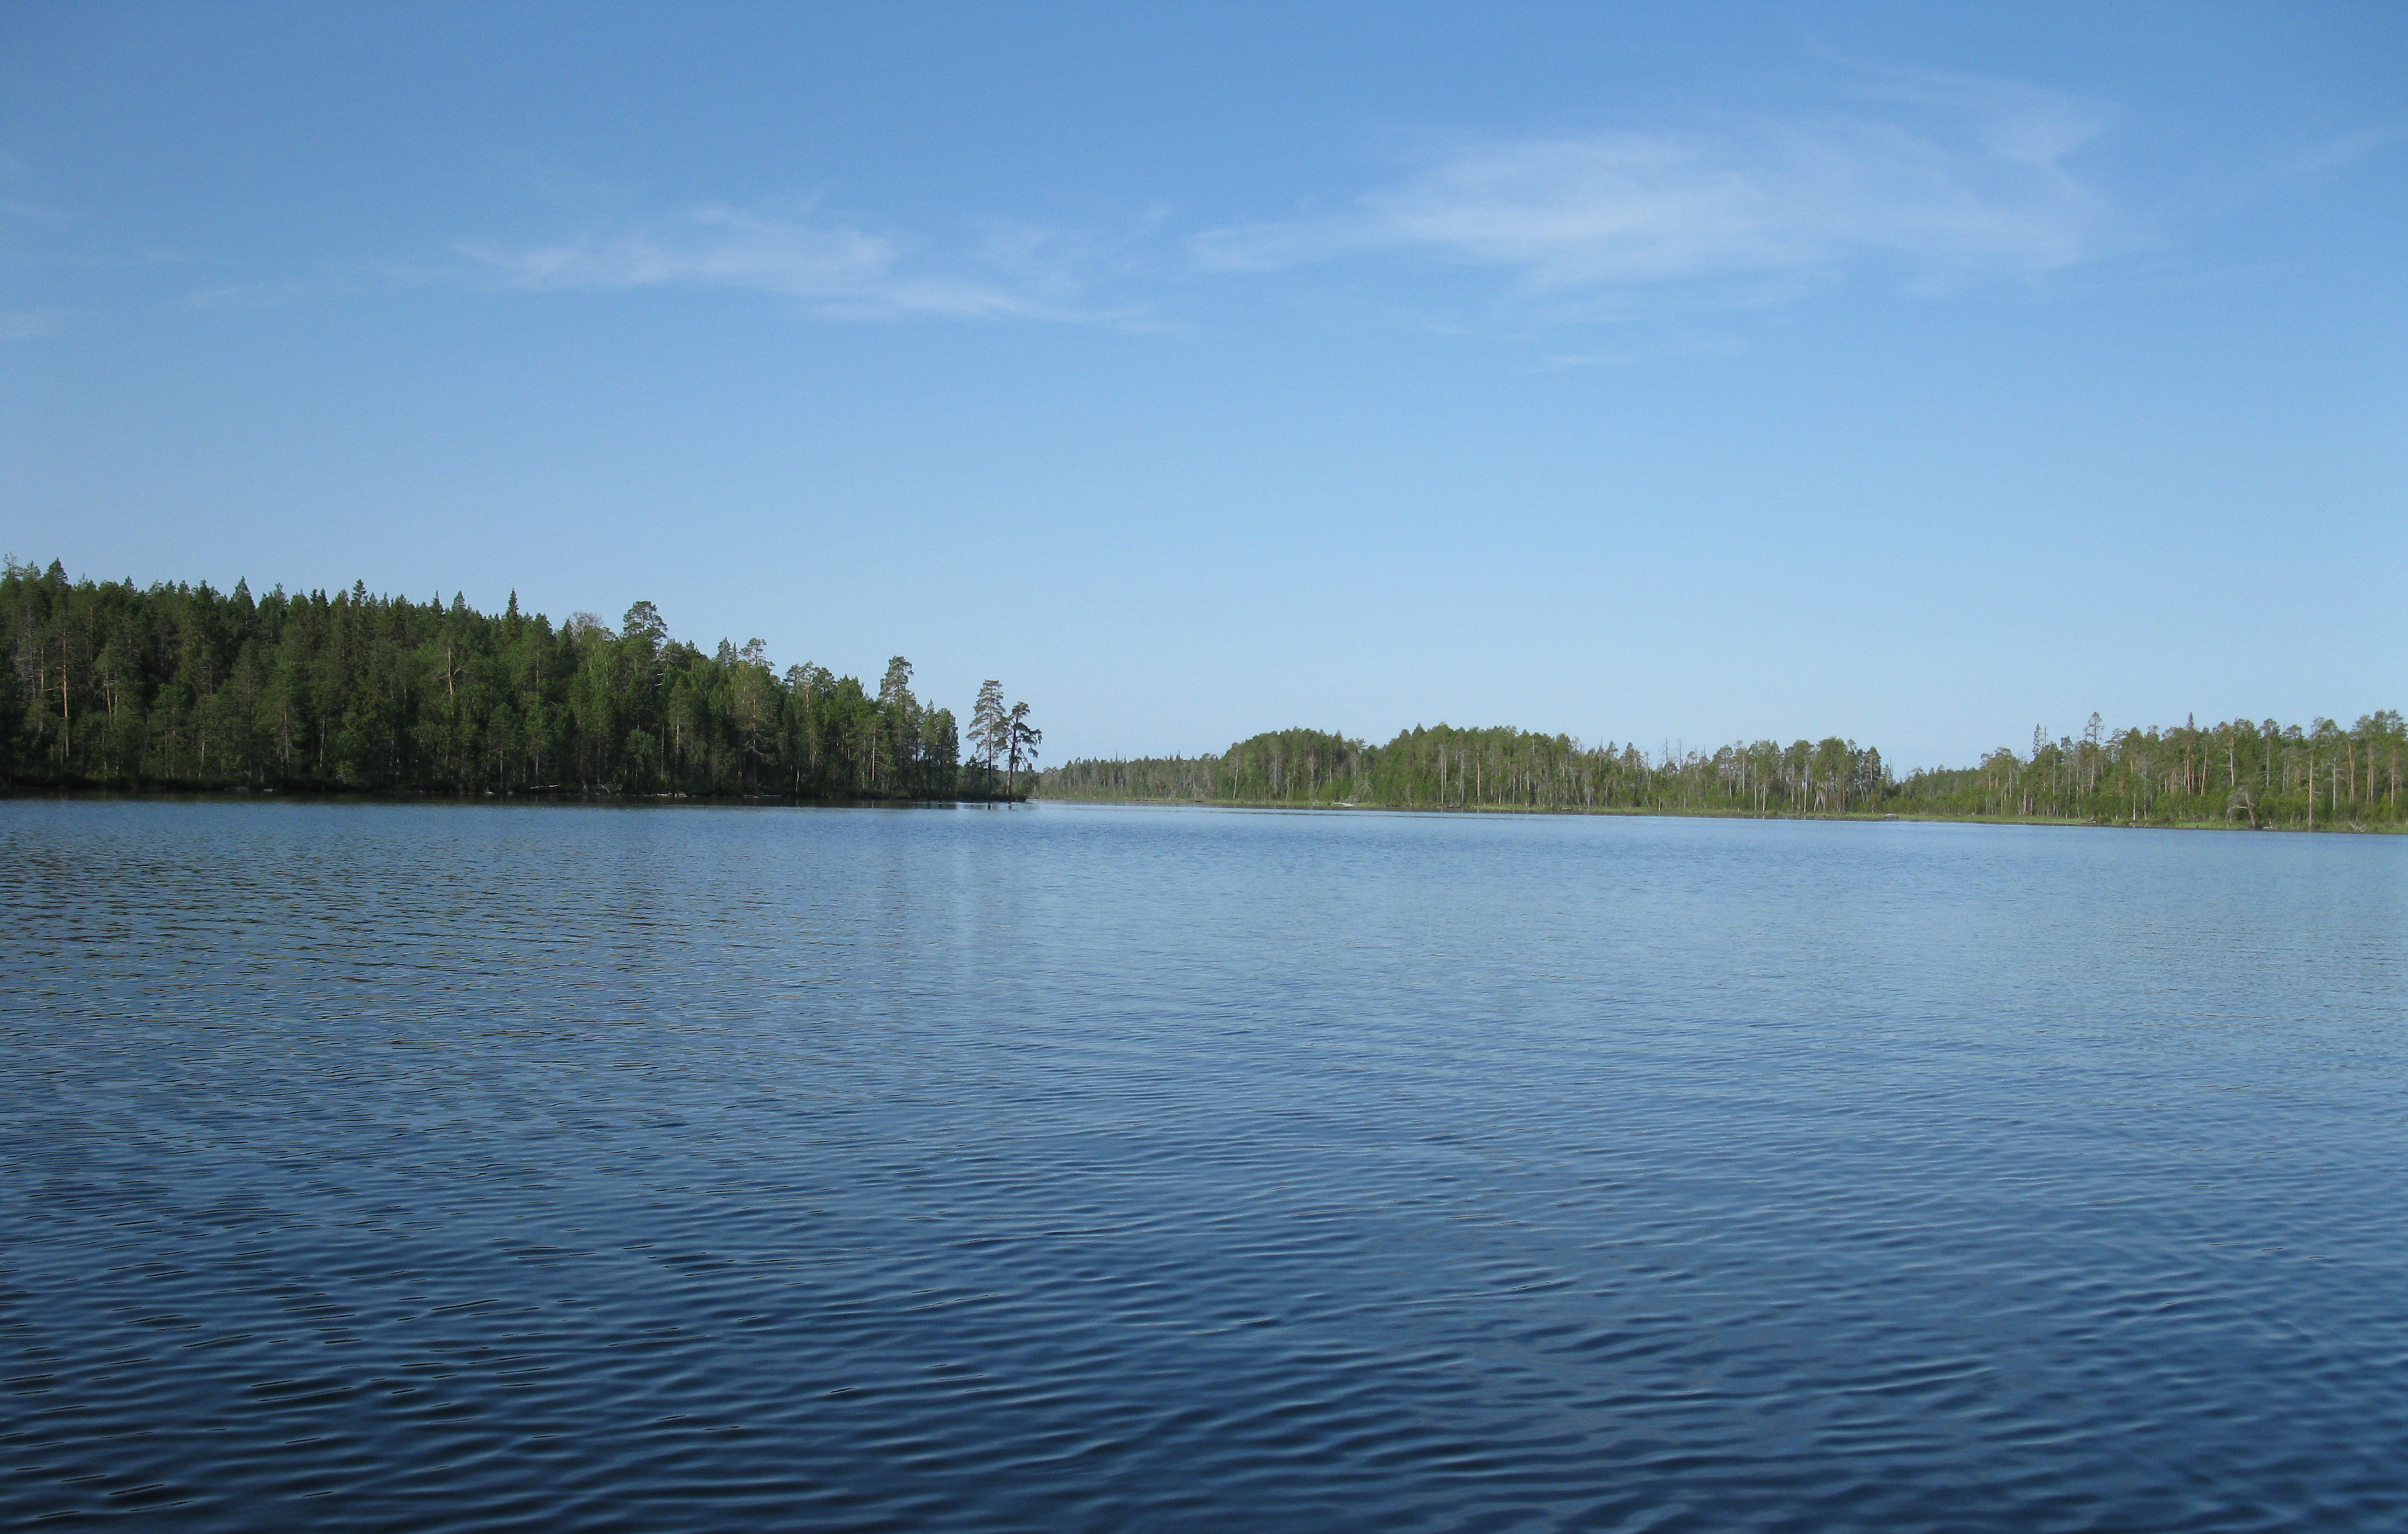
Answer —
109 684
2240 772
1444 768
2237 773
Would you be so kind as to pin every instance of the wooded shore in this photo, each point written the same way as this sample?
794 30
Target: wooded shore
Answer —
2255 774
183 688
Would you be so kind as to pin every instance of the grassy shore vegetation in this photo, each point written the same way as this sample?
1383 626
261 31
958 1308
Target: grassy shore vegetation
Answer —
111 686
2239 773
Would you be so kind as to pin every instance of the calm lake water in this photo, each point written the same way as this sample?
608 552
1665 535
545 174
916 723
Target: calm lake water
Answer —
378 1167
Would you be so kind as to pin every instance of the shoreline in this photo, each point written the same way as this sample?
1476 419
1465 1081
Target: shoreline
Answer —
489 796
604 797
1862 817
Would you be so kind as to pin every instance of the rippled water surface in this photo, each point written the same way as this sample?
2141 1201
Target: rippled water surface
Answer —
385 1167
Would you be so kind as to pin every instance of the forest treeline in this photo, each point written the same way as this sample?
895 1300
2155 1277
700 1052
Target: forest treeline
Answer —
110 684
2240 773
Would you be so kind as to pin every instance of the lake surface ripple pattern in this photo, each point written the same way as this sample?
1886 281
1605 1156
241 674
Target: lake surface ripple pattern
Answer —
377 1166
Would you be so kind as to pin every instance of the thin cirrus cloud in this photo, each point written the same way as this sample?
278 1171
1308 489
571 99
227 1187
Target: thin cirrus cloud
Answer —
835 270
1989 195
1935 181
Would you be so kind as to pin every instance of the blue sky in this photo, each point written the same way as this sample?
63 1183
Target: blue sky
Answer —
1682 373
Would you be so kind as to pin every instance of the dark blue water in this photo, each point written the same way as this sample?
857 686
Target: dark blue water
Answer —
395 1168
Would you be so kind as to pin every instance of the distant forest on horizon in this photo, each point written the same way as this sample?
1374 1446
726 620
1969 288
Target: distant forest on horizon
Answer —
2258 774
179 686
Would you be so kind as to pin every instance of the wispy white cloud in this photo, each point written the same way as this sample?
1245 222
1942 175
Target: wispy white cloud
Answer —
1984 191
836 270
1935 180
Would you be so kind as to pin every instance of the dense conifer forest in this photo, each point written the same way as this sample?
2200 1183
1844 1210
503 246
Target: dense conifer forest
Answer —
111 686
114 685
2239 773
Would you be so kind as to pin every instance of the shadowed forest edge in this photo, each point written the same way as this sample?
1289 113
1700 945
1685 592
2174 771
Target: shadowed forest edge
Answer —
111 686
